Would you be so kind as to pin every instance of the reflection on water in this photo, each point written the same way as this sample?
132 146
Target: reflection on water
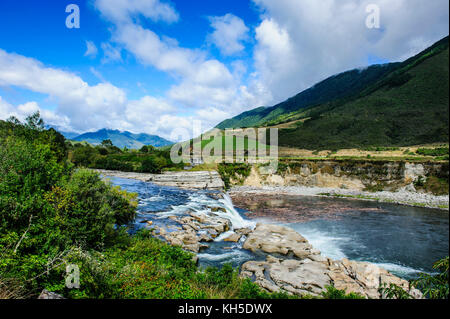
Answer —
404 240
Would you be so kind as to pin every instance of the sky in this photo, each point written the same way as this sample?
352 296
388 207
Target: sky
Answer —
157 66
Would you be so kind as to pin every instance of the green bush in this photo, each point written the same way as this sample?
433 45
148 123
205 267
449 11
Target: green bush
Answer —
333 293
88 209
233 171
433 152
435 286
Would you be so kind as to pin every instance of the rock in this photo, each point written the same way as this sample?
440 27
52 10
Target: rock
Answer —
45 294
305 271
206 222
186 179
187 239
216 196
372 277
205 238
297 277
310 277
233 238
219 225
218 209
280 240
196 228
243 231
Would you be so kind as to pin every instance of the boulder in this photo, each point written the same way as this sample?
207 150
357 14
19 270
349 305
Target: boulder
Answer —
233 238
311 277
274 239
297 277
45 294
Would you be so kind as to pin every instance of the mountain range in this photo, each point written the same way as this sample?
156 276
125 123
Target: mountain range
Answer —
394 104
119 138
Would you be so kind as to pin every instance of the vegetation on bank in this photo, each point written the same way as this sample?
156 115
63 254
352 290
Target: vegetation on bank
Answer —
54 214
233 173
432 286
107 156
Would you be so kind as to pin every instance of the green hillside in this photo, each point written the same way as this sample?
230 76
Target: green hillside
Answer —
343 85
410 106
397 104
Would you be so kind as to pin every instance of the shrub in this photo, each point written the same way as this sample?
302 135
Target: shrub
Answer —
333 293
149 165
435 286
88 209
433 152
230 171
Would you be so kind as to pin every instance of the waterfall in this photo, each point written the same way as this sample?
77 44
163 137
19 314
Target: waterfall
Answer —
233 215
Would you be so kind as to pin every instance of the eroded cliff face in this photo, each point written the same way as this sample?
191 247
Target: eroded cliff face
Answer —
357 175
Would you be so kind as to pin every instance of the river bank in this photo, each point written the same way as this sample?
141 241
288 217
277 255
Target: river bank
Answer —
183 179
402 196
276 257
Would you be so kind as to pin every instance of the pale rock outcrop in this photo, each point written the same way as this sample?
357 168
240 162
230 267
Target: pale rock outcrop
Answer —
45 294
185 179
234 238
302 270
273 239
196 228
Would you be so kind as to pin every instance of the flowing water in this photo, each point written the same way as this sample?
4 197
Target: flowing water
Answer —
404 240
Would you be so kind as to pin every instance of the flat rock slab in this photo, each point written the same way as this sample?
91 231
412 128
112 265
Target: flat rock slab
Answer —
300 269
274 239
187 180
311 277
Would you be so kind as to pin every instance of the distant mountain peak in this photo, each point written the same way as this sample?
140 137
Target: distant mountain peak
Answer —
122 139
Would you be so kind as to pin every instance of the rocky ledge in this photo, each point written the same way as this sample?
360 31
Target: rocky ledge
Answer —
185 179
293 265
195 231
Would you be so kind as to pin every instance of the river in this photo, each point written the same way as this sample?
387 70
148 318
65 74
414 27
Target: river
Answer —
404 240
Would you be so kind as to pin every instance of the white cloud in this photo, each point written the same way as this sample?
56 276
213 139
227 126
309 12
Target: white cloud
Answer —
82 107
298 43
87 107
302 42
229 34
200 81
23 110
124 11
91 49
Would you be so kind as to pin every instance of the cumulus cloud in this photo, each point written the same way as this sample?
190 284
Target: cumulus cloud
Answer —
302 42
23 110
229 34
297 44
91 49
200 81
81 107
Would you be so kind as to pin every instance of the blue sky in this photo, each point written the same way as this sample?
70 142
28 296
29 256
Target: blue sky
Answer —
155 66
